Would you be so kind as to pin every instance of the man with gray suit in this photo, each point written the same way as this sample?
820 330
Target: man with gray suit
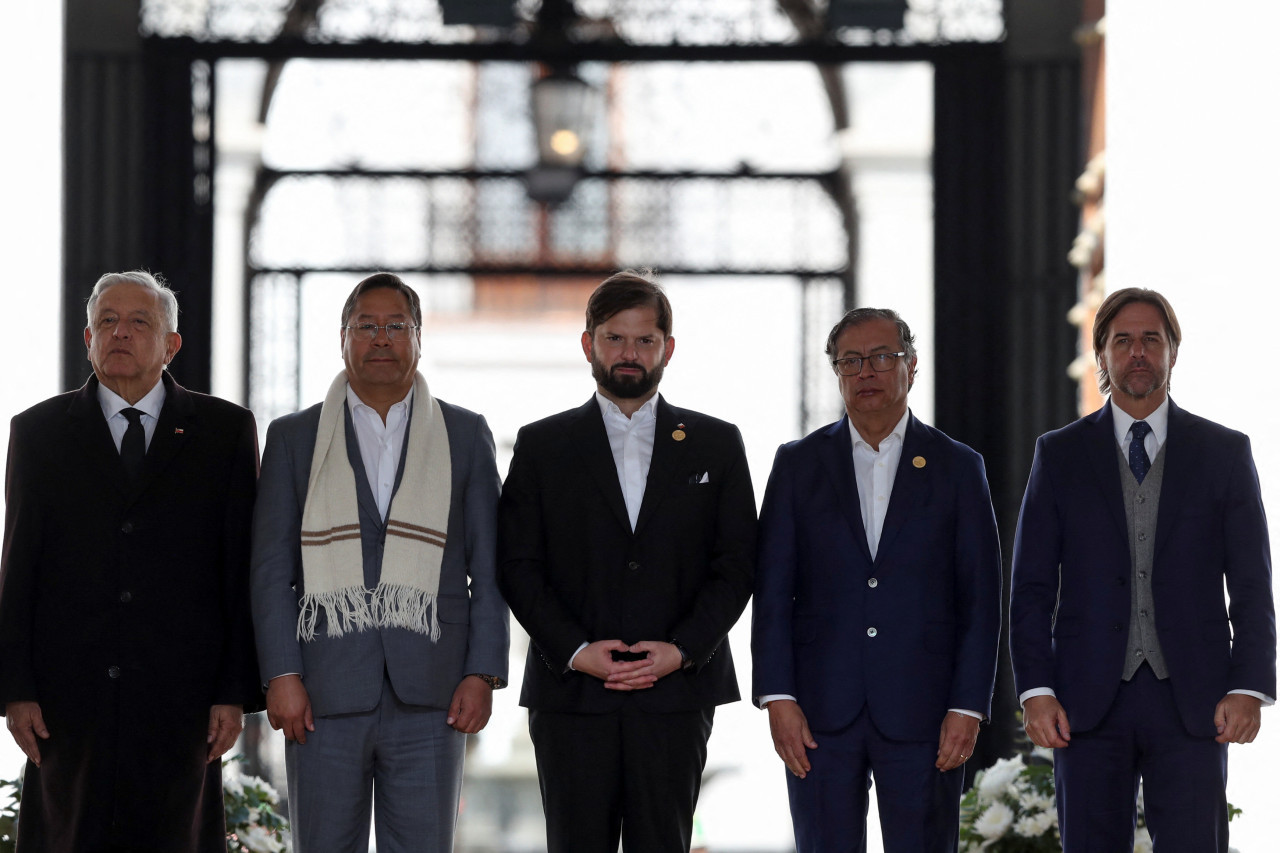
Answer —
381 631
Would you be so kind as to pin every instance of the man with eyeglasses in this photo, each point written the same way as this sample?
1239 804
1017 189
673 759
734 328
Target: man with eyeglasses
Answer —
381 631
126 645
876 615
1127 658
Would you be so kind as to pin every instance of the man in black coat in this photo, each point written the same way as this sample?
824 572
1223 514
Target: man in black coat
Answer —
626 548
126 645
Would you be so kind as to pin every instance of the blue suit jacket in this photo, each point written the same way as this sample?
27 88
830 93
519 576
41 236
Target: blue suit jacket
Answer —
344 675
1069 615
932 594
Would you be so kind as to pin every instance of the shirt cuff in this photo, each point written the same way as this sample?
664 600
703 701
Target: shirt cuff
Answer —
1266 700
975 714
763 701
1035 691
575 654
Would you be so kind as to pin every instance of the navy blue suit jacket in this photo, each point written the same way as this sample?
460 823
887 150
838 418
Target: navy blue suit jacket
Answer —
1069 615
932 594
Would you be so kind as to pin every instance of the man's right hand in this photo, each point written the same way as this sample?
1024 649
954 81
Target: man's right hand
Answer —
1045 721
289 707
596 659
791 735
26 724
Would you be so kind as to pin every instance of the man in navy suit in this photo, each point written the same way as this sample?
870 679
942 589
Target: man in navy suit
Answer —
1127 659
877 606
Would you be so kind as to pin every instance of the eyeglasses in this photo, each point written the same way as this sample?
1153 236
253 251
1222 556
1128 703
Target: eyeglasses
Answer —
880 362
369 331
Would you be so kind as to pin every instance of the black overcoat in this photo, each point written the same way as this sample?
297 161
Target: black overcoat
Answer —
124 612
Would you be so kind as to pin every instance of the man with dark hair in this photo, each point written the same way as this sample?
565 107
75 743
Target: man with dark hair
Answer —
381 632
126 647
876 619
1126 658
626 549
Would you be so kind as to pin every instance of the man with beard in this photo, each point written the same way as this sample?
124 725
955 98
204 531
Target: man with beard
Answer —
1126 658
626 541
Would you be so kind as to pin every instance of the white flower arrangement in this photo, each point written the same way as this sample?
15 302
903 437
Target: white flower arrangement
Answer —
253 824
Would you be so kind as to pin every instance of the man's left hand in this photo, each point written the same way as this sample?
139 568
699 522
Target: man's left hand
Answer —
471 706
957 740
1238 718
663 659
225 724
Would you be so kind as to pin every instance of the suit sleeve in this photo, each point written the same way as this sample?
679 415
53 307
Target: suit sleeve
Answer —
1248 576
977 590
1037 554
23 529
276 564
238 677
731 565
773 664
522 570
489 640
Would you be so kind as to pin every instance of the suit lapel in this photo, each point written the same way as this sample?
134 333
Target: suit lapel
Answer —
838 452
668 456
1101 450
1179 472
174 428
587 435
91 433
910 483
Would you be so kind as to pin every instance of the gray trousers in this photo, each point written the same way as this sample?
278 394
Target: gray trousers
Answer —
400 761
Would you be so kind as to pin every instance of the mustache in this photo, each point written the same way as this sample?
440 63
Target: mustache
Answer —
627 365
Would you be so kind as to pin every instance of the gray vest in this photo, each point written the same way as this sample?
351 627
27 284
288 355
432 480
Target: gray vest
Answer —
1141 508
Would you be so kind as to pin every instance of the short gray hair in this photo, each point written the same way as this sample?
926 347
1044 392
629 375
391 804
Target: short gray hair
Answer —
155 283
858 316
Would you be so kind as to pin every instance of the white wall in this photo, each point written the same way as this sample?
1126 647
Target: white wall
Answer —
1193 126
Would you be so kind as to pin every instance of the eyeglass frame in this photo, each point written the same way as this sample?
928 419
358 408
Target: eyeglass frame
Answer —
369 331
870 359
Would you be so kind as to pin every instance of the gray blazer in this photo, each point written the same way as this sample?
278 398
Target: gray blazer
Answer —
344 675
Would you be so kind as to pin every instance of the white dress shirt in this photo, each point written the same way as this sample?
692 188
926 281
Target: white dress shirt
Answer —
380 444
150 405
1123 422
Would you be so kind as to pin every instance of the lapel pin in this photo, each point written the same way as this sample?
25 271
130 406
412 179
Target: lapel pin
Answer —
678 434
177 431
918 462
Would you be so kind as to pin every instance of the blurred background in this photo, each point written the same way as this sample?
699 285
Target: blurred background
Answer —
990 170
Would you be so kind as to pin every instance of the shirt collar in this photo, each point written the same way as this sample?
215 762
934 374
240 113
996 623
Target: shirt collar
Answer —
899 431
609 409
1157 420
150 404
354 401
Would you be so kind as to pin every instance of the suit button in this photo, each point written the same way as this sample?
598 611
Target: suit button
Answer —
1116 627
871 632
127 527
126 597
113 672
1119 581
633 565
873 583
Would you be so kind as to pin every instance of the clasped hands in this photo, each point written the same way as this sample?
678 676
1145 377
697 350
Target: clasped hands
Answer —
596 659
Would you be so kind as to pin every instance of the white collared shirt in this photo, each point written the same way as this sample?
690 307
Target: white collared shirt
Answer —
380 444
631 440
874 472
150 405
1157 420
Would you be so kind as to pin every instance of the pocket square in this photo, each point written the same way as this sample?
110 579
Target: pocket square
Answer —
695 479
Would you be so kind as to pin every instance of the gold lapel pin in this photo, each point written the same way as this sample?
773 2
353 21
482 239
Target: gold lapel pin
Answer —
918 462
678 434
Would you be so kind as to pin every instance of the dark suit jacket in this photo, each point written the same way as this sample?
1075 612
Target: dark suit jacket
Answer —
344 674
906 635
1069 615
124 611
573 571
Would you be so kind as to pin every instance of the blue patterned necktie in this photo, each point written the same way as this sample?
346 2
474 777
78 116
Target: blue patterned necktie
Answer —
1139 463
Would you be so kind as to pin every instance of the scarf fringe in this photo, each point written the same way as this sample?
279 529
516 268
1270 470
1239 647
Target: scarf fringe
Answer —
404 606
344 609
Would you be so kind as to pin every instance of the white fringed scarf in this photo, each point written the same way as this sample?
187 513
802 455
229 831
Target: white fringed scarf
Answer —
417 521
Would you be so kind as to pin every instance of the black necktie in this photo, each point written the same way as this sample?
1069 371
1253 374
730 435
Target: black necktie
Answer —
133 447
1139 462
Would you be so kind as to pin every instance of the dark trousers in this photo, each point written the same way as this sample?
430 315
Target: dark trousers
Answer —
1184 777
919 805
626 775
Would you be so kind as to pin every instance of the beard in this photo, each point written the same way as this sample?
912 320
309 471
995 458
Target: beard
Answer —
626 387
1157 379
